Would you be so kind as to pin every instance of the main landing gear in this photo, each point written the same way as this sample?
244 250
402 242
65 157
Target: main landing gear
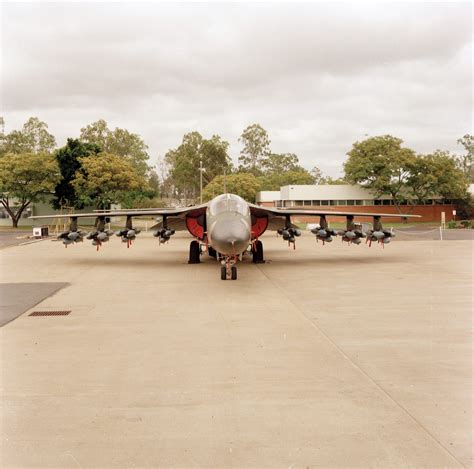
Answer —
229 269
257 252
228 263
194 252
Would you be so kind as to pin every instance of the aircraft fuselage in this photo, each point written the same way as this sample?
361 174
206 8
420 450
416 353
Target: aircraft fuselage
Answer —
229 224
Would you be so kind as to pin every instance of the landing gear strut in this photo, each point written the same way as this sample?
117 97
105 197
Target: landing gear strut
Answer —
194 253
228 268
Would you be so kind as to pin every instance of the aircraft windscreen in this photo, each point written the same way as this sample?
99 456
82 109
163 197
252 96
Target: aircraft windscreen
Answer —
228 203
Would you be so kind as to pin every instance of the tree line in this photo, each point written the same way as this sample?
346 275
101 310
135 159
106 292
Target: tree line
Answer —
106 166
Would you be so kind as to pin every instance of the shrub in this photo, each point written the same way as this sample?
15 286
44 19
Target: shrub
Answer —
451 225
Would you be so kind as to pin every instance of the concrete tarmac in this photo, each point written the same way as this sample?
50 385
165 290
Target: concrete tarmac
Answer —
342 356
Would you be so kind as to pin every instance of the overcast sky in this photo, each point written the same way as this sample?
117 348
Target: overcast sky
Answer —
316 76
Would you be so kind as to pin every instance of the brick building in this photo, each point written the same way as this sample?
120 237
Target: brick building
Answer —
351 198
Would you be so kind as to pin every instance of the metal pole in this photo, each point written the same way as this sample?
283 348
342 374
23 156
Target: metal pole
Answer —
200 181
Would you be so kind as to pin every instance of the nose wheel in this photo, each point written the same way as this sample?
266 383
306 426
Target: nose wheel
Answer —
228 269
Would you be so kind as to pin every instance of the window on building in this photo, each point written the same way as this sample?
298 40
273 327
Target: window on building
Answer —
307 202
386 202
377 202
324 202
333 202
359 202
342 202
316 202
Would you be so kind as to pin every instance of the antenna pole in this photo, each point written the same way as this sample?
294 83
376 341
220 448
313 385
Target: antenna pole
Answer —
200 181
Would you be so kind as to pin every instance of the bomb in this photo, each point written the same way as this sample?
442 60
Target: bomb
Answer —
381 236
164 234
323 234
71 236
351 236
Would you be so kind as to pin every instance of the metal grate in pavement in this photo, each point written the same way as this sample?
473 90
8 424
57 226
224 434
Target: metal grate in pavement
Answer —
49 313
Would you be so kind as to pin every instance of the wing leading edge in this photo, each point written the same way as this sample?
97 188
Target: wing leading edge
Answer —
276 212
195 210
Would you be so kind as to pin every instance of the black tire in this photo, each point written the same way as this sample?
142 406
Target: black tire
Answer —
223 273
258 253
212 252
194 253
233 272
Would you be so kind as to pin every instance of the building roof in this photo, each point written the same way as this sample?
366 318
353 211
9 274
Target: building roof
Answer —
325 192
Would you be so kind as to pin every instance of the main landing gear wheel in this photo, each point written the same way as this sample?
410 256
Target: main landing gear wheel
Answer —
223 273
233 273
257 253
194 253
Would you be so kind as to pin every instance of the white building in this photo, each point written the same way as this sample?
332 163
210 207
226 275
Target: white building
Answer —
325 194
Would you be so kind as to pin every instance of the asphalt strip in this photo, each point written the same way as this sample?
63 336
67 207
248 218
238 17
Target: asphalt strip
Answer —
16 298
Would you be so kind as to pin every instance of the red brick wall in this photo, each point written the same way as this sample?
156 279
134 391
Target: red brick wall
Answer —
429 213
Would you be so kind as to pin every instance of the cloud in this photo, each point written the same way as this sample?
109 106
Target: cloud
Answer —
317 76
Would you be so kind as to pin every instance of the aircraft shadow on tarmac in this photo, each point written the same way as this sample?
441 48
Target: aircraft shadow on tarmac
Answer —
340 261
278 260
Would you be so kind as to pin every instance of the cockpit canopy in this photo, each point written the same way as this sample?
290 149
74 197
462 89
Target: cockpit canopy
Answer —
228 203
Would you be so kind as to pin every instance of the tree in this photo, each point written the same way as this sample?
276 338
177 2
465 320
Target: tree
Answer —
118 142
320 179
273 182
106 179
184 162
436 174
244 184
154 183
33 138
381 165
280 163
467 160
256 149
26 178
317 175
69 160
282 170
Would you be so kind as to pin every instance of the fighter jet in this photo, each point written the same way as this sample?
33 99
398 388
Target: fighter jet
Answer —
226 227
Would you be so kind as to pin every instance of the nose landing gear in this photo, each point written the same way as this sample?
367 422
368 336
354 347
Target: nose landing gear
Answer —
228 268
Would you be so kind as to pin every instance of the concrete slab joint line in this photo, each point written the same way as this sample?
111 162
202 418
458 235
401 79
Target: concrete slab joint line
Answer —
362 371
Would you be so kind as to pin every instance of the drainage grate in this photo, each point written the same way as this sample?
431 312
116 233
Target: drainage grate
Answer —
49 313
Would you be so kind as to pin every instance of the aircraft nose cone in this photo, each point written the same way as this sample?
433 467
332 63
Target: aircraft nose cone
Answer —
230 237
